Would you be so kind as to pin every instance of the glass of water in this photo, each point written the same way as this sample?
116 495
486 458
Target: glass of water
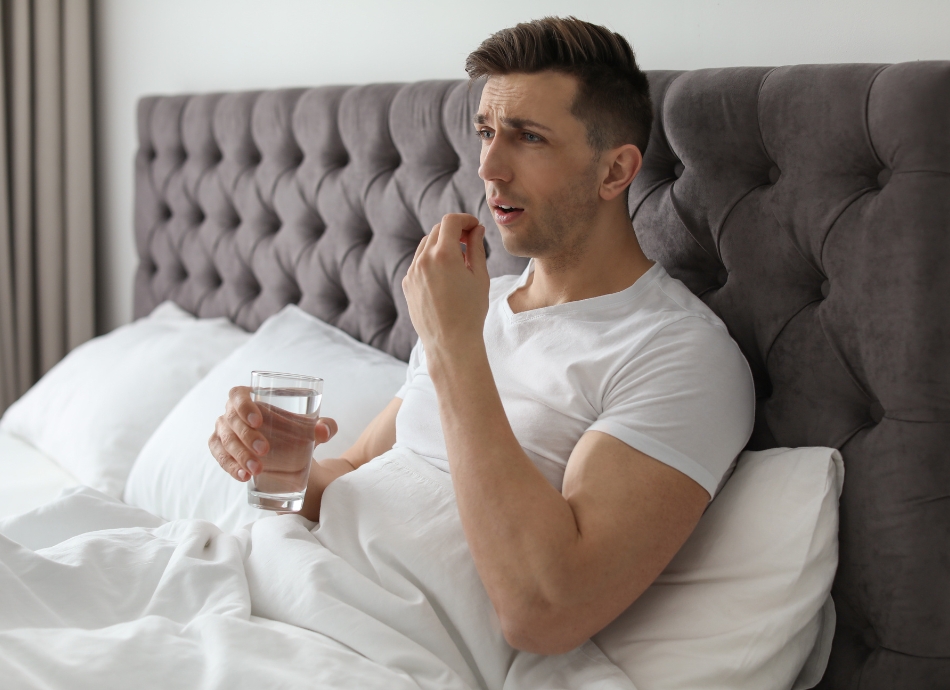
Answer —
290 405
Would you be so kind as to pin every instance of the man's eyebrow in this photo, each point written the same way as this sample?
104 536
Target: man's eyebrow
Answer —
513 122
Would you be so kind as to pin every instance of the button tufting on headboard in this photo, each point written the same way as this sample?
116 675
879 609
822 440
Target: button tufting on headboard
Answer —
857 195
876 412
317 195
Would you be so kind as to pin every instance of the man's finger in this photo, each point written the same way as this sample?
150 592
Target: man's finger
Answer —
434 233
325 430
422 245
240 398
228 464
254 440
453 226
475 257
233 447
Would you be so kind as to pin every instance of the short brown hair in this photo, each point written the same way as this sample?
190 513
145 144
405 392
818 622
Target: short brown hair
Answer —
613 95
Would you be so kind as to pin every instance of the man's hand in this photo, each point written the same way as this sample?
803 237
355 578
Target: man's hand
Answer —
237 444
446 288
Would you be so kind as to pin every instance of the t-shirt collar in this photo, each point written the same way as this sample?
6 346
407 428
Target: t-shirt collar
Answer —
579 306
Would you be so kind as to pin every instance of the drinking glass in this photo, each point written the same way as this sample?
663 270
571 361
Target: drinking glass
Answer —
290 405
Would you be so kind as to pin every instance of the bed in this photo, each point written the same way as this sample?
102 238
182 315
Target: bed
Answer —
809 206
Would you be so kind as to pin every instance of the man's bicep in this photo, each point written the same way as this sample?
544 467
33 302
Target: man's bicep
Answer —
633 514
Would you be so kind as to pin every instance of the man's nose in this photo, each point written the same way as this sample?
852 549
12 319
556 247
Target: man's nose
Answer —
494 163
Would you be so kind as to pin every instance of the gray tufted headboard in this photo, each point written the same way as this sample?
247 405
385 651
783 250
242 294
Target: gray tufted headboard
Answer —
808 205
248 201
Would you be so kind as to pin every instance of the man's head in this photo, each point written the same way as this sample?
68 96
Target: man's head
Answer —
564 117
613 95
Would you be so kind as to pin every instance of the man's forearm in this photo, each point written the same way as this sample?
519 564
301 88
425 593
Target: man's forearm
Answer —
378 437
521 531
322 472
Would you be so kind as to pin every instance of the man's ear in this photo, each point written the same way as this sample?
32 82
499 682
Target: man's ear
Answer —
623 164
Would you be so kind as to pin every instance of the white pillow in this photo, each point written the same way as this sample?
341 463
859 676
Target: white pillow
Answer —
746 603
175 476
94 410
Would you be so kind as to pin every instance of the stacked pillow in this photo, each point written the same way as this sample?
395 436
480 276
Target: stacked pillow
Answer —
94 410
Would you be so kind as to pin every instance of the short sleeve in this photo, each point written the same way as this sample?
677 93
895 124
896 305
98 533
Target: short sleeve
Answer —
415 360
686 399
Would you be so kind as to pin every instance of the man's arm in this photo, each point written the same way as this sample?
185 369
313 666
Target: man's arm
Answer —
238 446
558 567
375 440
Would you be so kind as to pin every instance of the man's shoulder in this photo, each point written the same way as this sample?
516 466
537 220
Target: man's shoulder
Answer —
658 304
671 296
676 325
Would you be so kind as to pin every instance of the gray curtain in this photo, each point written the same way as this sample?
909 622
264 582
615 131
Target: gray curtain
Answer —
47 289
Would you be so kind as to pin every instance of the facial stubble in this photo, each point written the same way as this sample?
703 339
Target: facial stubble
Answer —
559 232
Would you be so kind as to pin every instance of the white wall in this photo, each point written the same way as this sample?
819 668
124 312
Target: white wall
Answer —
171 46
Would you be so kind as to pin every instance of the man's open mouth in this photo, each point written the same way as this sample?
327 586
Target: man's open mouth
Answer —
505 214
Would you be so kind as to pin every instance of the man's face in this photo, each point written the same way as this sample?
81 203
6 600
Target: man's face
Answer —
539 170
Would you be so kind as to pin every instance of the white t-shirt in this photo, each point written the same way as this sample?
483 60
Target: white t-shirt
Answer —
651 365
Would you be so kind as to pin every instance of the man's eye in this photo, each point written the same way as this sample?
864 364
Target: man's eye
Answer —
531 137
484 133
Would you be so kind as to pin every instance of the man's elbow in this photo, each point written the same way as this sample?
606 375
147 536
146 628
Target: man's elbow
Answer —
542 632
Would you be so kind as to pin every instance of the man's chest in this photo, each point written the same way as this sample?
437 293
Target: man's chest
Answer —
552 382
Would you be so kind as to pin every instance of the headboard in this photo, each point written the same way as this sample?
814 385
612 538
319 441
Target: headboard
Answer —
809 206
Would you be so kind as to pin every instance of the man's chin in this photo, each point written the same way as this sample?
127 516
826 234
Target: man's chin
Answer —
514 244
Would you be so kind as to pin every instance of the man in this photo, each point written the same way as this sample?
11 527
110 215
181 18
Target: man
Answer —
587 410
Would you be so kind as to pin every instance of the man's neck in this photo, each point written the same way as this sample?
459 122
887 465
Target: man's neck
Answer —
611 261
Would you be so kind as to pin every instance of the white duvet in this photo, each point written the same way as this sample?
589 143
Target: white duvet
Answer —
382 594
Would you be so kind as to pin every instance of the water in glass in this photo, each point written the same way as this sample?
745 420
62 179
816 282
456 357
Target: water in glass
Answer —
290 415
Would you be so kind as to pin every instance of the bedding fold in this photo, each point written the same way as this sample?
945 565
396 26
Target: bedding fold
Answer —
382 593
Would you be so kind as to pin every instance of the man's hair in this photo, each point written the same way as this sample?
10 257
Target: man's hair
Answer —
613 95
